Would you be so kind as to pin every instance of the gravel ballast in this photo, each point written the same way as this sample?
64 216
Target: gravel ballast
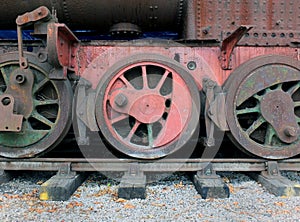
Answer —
172 199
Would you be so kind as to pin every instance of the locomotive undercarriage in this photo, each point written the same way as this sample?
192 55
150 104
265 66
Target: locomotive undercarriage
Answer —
148 105
147 98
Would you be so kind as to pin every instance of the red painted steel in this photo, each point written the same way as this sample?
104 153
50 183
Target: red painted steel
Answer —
147 105
95 60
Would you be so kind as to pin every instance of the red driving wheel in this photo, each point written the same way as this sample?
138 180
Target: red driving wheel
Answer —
147 106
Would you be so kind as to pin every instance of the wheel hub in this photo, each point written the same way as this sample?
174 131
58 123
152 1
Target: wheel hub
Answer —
146 107
277 107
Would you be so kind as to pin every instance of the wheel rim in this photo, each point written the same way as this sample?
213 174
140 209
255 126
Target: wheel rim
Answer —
263 107
46 109
145 105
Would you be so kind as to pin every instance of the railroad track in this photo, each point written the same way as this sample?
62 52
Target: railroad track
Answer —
71 172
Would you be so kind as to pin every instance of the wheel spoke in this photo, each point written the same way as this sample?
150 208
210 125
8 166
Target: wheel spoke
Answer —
119 118
45 102
145 79
42 119
255 125
269 135
259 98
162 80
255 109
126 82
27 126
267 90
150 134
39 85
297 104
293 89
279 86
162 121
5 76
132 131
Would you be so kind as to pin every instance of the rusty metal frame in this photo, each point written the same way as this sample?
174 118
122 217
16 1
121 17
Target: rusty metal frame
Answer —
62 46
37 15
9 122
229 43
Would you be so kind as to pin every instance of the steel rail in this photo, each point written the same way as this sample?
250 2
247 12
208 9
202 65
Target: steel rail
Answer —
166 165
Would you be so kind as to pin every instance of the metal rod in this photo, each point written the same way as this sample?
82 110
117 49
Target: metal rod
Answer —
22 60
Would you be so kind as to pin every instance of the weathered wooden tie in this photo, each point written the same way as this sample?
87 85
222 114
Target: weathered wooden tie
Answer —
209 184
275 183
61 186
133 184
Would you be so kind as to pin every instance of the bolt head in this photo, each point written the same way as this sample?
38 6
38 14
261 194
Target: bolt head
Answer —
121 100
291 131
6 101
20 78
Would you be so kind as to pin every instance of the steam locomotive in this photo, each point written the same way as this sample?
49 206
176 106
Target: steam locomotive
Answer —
145 74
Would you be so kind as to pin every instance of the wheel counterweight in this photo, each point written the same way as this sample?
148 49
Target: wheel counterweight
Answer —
263 114
147 106
44 104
